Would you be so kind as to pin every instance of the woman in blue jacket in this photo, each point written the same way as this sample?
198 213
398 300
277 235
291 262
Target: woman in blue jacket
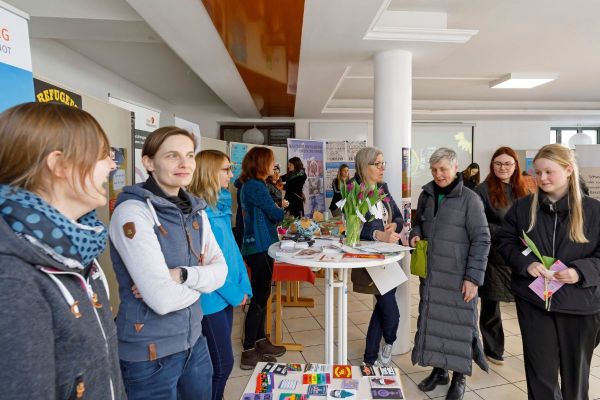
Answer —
261 215
210 182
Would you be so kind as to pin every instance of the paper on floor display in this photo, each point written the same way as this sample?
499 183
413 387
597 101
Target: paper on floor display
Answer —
382 247
387 277
341 394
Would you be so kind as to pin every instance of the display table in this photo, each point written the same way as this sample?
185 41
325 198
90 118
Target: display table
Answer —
332 283
364 385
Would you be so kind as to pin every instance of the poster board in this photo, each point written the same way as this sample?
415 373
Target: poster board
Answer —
146 121
192 127
16 78
312 154
116 122
589 166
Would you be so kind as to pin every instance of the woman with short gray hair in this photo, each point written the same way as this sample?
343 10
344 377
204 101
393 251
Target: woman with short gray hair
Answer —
453 221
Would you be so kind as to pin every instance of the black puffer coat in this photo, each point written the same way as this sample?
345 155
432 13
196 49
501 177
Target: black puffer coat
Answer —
496 285
551 236
459 242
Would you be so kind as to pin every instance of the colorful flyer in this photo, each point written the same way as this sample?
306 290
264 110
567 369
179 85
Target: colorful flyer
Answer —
350 384
384 382
257 396
387 371
395 393
317 390
288 384
294 367
367 370
342 394
342 371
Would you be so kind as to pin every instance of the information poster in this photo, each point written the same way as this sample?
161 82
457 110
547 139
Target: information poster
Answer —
48 93
191 127
16 78
336 154
589 167
146 120
237 152
117 177
312 153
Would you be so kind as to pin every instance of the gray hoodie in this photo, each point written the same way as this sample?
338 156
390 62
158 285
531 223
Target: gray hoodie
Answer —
54 343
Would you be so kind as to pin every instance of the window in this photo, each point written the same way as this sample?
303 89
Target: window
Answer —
562 135
275 135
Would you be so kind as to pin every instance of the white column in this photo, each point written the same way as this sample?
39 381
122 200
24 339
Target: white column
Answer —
392 119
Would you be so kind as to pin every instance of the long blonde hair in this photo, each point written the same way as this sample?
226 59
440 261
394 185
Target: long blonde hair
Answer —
205 182
564 157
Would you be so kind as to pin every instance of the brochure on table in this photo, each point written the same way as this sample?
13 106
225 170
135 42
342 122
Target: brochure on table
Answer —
281 381
329 250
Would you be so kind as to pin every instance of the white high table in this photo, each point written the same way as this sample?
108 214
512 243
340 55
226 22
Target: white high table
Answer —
331 284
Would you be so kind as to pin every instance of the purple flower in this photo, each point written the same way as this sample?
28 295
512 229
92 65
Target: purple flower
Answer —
360 196
386 199
350 186
370 194
381 191
362 186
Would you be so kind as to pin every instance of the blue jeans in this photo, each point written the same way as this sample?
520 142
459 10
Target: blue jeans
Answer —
186 375
384 323
217 330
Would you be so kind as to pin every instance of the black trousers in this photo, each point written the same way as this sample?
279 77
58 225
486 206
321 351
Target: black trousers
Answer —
261 268
554 342
490 326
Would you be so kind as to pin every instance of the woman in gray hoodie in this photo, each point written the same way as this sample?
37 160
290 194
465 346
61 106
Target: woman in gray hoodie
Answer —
58 339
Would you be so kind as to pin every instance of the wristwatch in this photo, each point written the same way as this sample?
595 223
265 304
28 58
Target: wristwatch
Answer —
182 275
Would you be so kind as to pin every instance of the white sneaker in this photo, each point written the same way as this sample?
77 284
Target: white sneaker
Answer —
385 357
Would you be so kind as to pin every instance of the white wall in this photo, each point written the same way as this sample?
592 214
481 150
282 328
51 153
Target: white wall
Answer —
520 135
54 62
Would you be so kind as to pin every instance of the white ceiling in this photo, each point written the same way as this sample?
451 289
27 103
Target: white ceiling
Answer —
146 42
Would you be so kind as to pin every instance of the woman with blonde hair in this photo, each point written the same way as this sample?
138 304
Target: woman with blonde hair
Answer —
381 333
559 335
210 182
58 339
340 179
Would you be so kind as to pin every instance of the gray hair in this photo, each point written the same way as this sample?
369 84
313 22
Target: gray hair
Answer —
364 157
441 153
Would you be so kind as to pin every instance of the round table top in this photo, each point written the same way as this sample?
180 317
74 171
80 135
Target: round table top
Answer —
343 263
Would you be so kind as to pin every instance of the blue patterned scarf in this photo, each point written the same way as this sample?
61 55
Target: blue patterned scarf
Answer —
27 214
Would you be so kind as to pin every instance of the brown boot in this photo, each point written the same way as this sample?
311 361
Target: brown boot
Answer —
264 346
251 357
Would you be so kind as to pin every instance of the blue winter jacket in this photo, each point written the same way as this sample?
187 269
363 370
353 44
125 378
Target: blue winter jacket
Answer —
237 284
261 216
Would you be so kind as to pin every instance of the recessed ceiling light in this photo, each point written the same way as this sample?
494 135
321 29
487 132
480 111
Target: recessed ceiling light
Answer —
521 81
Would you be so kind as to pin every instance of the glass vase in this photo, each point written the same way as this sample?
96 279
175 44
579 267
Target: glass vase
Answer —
353 228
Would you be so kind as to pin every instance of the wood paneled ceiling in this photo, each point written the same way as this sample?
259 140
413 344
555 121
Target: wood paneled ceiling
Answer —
263 39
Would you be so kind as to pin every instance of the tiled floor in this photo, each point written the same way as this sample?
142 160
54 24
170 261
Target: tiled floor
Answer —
306 326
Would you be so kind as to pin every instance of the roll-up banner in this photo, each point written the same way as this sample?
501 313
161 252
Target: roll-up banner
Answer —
16 78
